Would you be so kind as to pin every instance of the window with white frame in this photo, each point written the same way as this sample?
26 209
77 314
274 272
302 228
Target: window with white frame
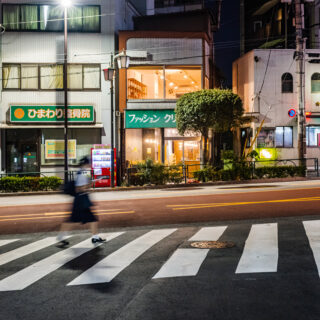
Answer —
313 135
315 82
50 77
284 137
279 137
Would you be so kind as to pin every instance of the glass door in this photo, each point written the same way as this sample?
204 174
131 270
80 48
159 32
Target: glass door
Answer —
22 150
182 151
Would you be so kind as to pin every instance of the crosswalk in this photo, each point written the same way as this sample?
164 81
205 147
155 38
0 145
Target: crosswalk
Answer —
260 254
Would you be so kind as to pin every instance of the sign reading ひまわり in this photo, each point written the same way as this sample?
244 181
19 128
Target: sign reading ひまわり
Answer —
43 114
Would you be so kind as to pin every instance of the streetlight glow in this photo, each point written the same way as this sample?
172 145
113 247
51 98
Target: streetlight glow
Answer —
66 3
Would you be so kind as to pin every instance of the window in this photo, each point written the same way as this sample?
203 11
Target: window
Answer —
313 135
11 76
50 18
162 82
145 83
284 137
280 137
315 82
50 77
279 21
266 138
29 77
257 25
287 83
181 80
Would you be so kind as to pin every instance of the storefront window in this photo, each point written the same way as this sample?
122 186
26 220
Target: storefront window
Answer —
145 83
181 80
85 139
149 82
266 138
181 149
142 144
313 135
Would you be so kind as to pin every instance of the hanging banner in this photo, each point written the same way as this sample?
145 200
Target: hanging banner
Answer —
150 119
54 149
41 114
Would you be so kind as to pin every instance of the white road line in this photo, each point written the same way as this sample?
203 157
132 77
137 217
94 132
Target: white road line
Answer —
112 265
4 242
208 234
27 249
183 263
313 233
261 252
38 270
187 262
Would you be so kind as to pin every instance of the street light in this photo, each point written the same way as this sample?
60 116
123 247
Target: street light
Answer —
123 61
66 4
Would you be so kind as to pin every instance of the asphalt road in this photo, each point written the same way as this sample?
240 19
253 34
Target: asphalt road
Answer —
271 272
27 214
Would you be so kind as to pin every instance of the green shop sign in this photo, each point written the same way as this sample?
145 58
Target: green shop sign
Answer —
28 114
150 119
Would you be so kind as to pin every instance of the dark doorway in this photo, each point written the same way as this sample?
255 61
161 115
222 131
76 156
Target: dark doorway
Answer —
22 150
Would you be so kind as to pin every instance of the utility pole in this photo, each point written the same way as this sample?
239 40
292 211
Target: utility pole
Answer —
300 47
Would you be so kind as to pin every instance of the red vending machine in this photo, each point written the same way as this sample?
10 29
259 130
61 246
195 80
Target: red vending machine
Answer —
101 166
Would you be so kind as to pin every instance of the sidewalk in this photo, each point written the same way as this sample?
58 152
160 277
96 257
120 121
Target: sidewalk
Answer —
146 192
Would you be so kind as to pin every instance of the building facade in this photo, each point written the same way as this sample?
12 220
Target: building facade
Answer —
266 81
271 24
32 93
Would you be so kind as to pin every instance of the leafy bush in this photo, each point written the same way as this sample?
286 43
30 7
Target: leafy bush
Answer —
175 173
25 184
244 171
149 172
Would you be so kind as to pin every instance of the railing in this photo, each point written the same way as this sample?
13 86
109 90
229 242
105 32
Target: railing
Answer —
181 172
187 170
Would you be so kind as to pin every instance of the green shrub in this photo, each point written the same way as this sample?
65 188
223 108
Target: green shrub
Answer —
279 172
25 184
175 173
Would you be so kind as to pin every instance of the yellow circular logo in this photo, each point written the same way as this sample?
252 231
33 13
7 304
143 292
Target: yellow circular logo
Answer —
19 113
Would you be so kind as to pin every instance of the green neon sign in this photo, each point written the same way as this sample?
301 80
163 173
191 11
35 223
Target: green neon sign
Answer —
150 119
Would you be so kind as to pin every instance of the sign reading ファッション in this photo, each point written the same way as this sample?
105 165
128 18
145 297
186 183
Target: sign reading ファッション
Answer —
150 119
43 114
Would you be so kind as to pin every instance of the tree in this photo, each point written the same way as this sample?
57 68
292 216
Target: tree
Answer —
199 111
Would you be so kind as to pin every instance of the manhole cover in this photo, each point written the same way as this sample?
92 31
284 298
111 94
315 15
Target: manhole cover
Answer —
212 244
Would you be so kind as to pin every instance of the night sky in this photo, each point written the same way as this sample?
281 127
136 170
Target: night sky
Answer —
227 39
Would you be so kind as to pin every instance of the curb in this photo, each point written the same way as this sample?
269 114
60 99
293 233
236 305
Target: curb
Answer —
172 186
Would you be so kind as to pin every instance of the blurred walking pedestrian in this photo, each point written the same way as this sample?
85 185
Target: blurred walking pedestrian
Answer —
81 208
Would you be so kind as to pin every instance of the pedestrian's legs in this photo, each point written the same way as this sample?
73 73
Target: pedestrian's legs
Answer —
94 230
64 230
94 227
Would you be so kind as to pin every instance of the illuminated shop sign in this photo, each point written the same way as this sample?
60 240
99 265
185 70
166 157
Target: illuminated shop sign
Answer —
32 114
150 119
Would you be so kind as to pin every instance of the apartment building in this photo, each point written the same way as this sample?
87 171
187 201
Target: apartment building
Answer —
32 92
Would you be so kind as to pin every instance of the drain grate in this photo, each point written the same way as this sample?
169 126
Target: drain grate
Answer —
212 244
